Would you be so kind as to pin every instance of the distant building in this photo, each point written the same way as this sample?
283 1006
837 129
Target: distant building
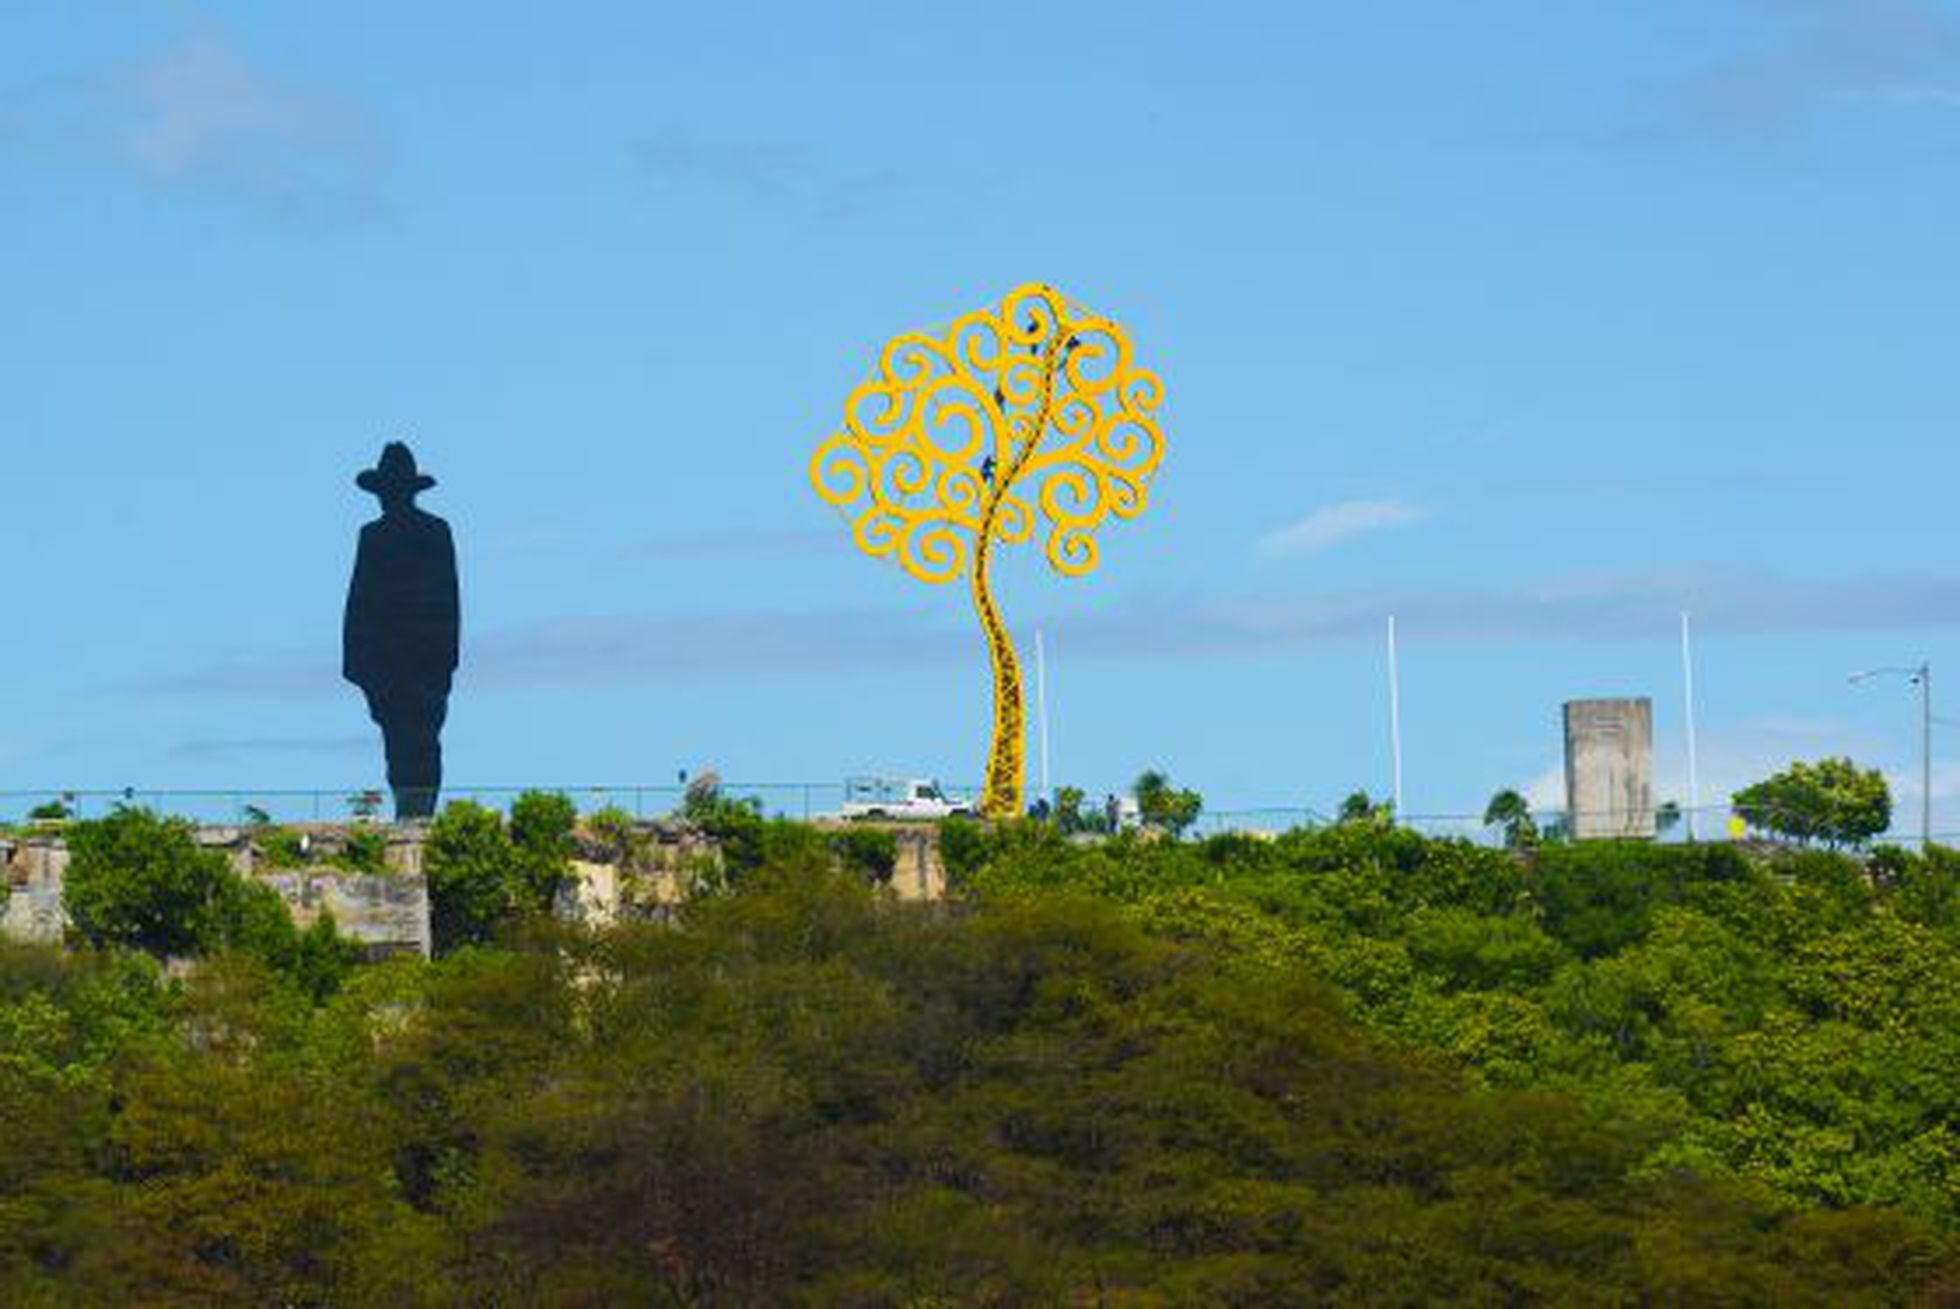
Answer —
1609 768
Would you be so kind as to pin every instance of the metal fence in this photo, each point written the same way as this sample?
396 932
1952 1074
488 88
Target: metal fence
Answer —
1673 825
340 804
800 800
1708 823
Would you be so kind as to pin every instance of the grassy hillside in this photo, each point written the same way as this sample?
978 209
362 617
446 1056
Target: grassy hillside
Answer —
1348 1067
1794 1019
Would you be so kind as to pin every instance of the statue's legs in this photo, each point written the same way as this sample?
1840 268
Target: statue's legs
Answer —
411 719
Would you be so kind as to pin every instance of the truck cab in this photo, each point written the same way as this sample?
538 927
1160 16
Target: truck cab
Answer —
902 800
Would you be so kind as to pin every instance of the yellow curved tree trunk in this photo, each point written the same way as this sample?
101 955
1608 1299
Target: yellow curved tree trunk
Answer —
1006 760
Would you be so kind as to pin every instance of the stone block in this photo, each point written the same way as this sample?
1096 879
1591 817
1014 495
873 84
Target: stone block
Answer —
918 874
32 910
591 896
1609 768
387 914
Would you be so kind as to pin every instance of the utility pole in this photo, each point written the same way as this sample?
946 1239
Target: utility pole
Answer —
1922 674
1925 755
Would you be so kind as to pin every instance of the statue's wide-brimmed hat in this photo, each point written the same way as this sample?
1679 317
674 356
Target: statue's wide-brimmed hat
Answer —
395 470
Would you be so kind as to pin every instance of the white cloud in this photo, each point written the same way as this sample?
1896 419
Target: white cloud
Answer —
252 746
1545 793
203 115
632 648
1807 59
1902 96
1331 523
779 176
750 543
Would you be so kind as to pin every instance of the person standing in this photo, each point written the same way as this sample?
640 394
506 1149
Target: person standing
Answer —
402 630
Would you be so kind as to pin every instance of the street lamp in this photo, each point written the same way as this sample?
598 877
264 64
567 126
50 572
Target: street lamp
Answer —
1923 675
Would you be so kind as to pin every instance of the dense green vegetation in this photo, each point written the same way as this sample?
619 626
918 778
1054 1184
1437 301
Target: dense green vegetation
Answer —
1347 1066
1793 1019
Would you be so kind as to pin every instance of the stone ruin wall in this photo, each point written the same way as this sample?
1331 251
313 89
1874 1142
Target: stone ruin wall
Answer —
604 892
33 871
388 913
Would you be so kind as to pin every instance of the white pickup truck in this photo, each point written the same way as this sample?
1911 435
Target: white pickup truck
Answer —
912 799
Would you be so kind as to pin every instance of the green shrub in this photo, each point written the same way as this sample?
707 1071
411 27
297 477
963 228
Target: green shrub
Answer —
141 881
1477 952
482 873
963 848
737 827
281 847
1836 887
363 850
1832 800
1927 888
541 833
1600 896
66 1014
1164 806
1068 815
471 868
869 852
618 835
252 919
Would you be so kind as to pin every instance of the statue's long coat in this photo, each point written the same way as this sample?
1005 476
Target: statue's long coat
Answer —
403 614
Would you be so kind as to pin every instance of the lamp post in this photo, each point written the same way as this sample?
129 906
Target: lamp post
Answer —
1923 675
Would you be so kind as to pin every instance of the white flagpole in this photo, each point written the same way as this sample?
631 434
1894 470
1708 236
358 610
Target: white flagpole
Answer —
1688 694
1395 716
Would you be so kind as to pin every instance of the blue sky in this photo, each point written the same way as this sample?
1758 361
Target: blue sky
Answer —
1532 324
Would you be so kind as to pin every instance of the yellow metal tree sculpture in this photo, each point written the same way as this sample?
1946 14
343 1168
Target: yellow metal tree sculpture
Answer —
1029 416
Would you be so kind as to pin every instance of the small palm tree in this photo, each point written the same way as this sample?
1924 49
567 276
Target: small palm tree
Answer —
1512 812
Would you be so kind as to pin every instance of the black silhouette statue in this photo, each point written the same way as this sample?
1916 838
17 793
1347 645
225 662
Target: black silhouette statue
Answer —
403 618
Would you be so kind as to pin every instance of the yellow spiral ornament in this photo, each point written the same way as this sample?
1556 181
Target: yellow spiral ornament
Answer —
1029 417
